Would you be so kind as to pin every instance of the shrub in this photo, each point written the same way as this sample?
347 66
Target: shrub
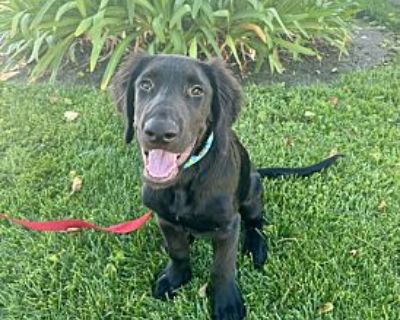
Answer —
47 31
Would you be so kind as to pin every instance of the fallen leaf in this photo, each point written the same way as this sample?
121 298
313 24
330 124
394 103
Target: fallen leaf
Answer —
325 308
354 253
70 115
4 76
72 174
76 184
289 142
309 114
54 99
203 291
53 258
334 101
333 152
382 205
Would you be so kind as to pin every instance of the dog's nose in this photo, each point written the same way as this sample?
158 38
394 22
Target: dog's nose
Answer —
160 131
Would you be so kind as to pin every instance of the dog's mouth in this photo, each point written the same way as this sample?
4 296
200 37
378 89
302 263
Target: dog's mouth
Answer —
162 166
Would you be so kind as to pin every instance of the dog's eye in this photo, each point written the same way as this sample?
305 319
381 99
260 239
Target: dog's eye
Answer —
196 91
145 85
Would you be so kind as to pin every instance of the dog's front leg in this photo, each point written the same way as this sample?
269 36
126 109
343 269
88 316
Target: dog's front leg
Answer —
227 301
178 271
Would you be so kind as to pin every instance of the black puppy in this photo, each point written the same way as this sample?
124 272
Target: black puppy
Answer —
197 175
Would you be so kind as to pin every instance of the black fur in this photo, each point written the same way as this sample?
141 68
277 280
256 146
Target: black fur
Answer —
215 196
273 173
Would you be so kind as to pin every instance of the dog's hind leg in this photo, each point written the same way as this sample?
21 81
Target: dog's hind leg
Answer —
251 210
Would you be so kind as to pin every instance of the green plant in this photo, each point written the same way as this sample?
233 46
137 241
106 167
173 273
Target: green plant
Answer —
45 31
385 11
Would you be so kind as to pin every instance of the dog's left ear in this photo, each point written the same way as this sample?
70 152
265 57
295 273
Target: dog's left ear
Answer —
122 87
227 95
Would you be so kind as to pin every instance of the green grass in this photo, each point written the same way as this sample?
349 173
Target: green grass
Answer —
384 12
314 223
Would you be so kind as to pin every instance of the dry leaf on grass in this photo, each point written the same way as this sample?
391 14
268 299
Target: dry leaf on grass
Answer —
289 142
4 76
333 152
354 253
325 308
72 174
309 114
70 115
76 184
53 99
203 291
334 101
382 205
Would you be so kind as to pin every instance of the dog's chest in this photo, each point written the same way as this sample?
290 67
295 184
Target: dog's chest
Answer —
189 210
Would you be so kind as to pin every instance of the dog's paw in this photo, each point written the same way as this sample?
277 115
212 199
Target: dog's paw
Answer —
227 302
170 280
256 246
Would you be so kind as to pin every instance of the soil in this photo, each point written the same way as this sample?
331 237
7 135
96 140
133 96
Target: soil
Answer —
371 46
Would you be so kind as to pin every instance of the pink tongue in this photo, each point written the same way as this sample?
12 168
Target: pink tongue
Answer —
161 163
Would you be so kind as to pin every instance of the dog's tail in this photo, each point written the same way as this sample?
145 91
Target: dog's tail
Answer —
274 173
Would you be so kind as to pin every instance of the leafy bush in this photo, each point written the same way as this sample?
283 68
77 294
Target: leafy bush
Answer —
46 31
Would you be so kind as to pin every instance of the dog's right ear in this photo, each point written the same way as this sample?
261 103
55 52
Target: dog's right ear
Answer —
122 87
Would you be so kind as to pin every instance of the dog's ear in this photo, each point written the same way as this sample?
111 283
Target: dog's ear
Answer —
122 87
227 94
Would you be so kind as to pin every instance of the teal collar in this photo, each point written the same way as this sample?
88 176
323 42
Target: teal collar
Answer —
196 158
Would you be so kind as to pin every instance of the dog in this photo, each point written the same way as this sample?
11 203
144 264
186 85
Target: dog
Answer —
197 176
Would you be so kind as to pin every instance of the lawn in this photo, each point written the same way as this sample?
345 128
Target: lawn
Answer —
334 237
386 12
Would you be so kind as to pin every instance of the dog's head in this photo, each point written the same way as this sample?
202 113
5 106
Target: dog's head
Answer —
173 103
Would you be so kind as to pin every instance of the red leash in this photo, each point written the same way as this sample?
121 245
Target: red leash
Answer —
75 224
